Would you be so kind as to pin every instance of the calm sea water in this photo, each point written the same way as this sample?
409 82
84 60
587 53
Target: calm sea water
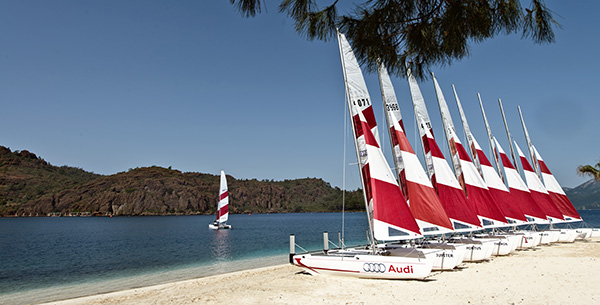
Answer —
46 259
58 257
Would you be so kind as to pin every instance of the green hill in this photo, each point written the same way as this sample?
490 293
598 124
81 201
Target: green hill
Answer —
29 186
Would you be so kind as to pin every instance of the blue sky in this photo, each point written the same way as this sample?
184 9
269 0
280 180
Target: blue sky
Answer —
112 85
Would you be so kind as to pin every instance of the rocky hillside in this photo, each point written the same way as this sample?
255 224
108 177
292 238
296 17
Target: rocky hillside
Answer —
586 195
25 177
29 186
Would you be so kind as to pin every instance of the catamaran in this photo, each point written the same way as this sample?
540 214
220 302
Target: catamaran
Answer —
388 214
222 207
420 195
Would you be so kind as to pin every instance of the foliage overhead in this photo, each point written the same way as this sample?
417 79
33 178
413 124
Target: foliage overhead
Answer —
588 170
413 33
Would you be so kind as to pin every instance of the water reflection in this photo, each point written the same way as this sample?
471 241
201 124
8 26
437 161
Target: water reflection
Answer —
220 246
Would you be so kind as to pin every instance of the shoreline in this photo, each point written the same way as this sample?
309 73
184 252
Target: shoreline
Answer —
555 274
139 281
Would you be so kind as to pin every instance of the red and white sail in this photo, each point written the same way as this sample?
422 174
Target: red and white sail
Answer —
223 206
519 190
510 208
422 198
538 190
389 215
457 206
556 192
474 185
355 84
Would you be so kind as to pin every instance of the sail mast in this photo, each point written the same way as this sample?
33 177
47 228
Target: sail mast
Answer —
467 132
491 141
512 149
450 133
391 108
536 168
341 40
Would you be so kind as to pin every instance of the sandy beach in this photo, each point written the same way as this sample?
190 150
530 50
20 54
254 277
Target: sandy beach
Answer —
556 274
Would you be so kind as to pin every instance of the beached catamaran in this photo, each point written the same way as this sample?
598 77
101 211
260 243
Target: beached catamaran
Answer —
406 212
222 207
388 214
420 195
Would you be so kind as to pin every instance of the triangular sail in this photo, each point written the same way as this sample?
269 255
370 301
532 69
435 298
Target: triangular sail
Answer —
517 187
223 206
475 187
538 190
355 84
451 194
519 190
418 190
556 192
498 190
388 213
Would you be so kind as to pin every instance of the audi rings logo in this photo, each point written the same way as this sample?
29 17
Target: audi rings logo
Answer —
374 267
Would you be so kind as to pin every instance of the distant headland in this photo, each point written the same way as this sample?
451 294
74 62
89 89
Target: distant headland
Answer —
30 186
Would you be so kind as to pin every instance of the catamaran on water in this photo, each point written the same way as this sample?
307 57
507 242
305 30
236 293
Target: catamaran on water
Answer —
222 207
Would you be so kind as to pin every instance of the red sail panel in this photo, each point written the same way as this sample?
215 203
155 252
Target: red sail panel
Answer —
556 192
457 205
528 204
564 205
453 198
510 207
424 202
390 207
544 201
477 191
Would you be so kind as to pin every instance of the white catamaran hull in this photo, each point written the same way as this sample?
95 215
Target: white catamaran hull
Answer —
584 233
503 244
445 257
567 235
219 227
363 265
476 250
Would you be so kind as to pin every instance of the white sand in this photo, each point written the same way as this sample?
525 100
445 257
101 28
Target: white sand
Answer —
556 274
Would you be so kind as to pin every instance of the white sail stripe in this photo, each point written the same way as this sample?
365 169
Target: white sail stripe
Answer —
414 170
552 185
533 181
389 94
492 179
357 88
378 167
471 175
444 175
514 180
500 150
550 181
